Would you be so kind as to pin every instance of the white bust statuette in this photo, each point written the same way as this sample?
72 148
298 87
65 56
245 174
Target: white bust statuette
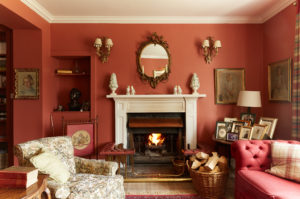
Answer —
195 83
128 90
175 90
132 90
179 90
113 84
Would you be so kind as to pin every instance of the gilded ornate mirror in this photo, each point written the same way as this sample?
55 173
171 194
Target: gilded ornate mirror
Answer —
153 60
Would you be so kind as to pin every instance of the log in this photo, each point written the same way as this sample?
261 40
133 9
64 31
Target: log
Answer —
202 155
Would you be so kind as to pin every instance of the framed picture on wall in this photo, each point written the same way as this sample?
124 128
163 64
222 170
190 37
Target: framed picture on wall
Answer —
27 83
279 80
228 83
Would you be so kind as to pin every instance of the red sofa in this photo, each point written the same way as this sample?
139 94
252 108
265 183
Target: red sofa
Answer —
252 158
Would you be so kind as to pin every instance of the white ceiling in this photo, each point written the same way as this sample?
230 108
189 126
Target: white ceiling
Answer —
157 11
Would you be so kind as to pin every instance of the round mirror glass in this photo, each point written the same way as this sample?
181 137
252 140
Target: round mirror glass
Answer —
154 60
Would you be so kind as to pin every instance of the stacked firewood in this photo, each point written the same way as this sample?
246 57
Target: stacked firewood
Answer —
202 162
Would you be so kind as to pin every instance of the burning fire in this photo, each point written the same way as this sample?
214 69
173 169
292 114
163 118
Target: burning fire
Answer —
156 139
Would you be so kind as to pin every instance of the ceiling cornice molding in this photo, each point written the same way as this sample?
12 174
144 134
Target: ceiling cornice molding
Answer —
281 5
40 10
155 20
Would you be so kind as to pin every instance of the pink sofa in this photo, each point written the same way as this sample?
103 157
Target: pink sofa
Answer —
252 158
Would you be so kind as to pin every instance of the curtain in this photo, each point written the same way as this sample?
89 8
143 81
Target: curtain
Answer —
296 81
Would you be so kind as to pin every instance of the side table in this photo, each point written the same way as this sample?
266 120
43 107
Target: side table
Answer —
35 191
225 145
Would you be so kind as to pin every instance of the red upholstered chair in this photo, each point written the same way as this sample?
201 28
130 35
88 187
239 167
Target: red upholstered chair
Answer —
252 158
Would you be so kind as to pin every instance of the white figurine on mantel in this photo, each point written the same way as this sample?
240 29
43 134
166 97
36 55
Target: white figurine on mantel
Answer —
132 91
128 90
113 84
179 90
175 90
195 84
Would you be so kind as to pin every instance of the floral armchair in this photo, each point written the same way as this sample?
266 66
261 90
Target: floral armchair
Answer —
89 178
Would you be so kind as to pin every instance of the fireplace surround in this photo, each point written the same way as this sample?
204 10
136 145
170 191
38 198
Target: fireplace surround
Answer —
186 104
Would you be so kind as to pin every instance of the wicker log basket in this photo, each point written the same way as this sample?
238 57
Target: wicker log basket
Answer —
208 185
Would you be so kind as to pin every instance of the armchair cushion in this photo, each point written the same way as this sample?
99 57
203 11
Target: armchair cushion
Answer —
48 163
100 167
83 186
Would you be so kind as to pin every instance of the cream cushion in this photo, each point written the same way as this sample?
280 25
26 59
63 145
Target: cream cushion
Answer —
285 160
48 163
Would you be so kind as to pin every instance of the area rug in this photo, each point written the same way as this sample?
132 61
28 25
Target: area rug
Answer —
189 196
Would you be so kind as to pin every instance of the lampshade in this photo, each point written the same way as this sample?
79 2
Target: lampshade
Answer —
249 99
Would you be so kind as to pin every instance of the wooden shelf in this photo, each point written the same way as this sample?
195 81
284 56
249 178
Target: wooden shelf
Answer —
3 139
3 55
73 74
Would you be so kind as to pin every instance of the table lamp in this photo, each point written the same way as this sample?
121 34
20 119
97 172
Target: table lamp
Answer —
249 99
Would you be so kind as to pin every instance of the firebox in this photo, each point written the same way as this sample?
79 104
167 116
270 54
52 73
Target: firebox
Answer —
156 138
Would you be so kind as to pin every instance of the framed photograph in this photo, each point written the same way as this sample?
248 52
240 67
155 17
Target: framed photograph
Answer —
279 80
236 126
258 131
246 132
232 136
221 130
230 119
228 83
271 123
27 83
248 117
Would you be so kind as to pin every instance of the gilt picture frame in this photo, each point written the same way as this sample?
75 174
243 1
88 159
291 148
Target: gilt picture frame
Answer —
258 131
279 80
228 83
27 83
271 123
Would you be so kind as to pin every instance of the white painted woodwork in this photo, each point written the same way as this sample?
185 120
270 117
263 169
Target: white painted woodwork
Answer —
157 11
156 104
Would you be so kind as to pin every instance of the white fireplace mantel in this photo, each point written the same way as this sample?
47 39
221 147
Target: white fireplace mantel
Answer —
156 104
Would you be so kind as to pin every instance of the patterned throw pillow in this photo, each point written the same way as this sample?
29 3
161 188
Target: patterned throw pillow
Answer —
285 160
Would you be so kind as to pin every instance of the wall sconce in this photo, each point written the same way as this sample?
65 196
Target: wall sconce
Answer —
103 51
210 48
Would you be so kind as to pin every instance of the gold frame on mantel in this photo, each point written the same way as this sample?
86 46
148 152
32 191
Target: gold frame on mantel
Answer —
156 40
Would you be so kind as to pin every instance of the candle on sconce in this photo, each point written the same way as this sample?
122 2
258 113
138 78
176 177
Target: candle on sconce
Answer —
166 69
143 70
205 43
217 44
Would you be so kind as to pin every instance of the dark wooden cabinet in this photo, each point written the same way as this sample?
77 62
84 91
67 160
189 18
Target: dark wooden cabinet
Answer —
6 87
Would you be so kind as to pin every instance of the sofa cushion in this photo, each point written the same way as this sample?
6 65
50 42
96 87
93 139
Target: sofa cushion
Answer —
259 184
285 160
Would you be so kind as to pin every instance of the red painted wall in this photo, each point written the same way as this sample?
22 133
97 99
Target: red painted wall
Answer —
242 48
278 44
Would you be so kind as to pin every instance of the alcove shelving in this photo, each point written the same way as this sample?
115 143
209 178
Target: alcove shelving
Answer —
72 72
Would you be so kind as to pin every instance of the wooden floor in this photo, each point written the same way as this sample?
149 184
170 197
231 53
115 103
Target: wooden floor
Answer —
172 188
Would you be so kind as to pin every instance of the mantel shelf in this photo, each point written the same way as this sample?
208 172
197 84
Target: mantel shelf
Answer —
156 96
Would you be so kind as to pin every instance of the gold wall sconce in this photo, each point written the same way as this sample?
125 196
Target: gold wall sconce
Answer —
210 48
103 51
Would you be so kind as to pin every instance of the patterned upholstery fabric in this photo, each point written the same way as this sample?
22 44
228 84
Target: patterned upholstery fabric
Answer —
89 178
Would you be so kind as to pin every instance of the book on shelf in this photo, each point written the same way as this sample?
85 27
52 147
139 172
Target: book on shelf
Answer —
18 177
3 48
60 71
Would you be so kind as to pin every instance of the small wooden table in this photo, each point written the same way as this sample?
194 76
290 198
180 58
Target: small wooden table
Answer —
35 191
224 144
